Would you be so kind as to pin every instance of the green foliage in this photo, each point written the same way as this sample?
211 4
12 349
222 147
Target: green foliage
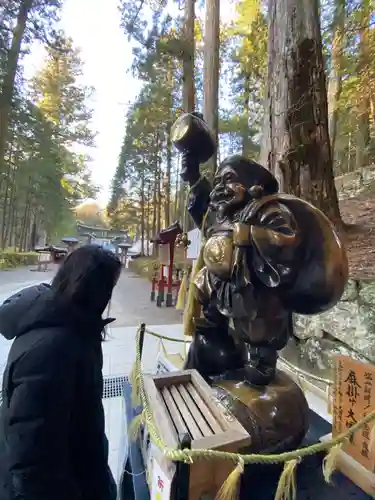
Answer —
144 266
62 102
44 179
10 259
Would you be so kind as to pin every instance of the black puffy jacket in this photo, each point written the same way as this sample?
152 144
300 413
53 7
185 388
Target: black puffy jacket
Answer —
52 436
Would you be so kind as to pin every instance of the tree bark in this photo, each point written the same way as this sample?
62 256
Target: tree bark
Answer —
7 89
154 200
188 57
335 76
296 146
143 213
246 143
211 71
363 132
167 182
167 179
148 232
9 228
188 89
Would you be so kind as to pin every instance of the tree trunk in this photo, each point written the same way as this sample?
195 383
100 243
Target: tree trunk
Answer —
188 88
154 201
167 179
296 146
188 57
167 183
159 201
6 185
212 70
246 143
9 229
148 220
7 89
363 133
176 215
142 213
335 76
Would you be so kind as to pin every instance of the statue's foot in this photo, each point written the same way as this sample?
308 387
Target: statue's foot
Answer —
259 375
260 370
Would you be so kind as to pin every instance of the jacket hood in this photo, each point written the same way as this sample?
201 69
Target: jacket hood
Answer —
35 307
22 309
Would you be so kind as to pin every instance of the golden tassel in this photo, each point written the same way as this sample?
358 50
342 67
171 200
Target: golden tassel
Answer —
180 305
287 487
193 308
133 378
148 478
135 426
231 487
163 348
330 462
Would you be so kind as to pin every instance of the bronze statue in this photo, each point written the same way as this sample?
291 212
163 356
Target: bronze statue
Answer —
266 255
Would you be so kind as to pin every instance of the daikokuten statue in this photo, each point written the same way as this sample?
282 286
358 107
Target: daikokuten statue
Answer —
266 256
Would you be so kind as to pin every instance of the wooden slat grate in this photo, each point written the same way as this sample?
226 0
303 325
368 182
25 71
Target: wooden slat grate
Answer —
188 412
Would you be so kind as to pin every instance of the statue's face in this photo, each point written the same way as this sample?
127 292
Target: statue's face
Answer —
228 194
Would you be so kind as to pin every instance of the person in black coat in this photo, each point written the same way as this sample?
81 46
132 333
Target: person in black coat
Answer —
52 435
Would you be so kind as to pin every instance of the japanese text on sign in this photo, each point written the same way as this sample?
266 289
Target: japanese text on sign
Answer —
353 400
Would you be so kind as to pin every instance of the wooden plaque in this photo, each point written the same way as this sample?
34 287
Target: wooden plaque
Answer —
354 398
164 254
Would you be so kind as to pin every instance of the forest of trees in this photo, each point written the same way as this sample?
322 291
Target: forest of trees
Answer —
41 122
288 82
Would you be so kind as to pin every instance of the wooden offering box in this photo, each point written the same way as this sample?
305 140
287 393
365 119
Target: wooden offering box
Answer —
182 403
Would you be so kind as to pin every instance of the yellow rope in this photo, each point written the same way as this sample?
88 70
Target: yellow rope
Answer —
303 373
165 337
189 455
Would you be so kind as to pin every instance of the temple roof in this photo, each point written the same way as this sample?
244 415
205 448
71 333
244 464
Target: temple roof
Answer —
99 228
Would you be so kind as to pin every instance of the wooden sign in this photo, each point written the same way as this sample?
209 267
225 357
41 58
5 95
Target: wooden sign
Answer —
44 257
164 255
354 398
160 483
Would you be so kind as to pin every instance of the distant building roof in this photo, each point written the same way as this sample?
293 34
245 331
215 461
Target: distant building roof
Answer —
99 228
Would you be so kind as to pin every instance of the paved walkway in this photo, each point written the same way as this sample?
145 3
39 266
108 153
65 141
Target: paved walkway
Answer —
130 306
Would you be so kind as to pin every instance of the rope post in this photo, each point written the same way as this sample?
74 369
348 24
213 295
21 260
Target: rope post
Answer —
141 338
183 470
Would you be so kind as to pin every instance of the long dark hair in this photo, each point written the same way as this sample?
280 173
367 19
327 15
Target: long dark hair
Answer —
86 279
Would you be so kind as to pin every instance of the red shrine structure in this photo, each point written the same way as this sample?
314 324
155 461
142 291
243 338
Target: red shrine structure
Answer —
162 281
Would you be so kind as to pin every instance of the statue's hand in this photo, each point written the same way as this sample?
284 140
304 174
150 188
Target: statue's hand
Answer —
190 163
190 168
248 216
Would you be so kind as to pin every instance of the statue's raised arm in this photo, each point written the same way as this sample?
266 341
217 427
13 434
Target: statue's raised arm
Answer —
192 137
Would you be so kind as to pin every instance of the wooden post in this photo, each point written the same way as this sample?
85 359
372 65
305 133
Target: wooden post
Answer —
142 338
153 287
160 297
183 470
169 298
